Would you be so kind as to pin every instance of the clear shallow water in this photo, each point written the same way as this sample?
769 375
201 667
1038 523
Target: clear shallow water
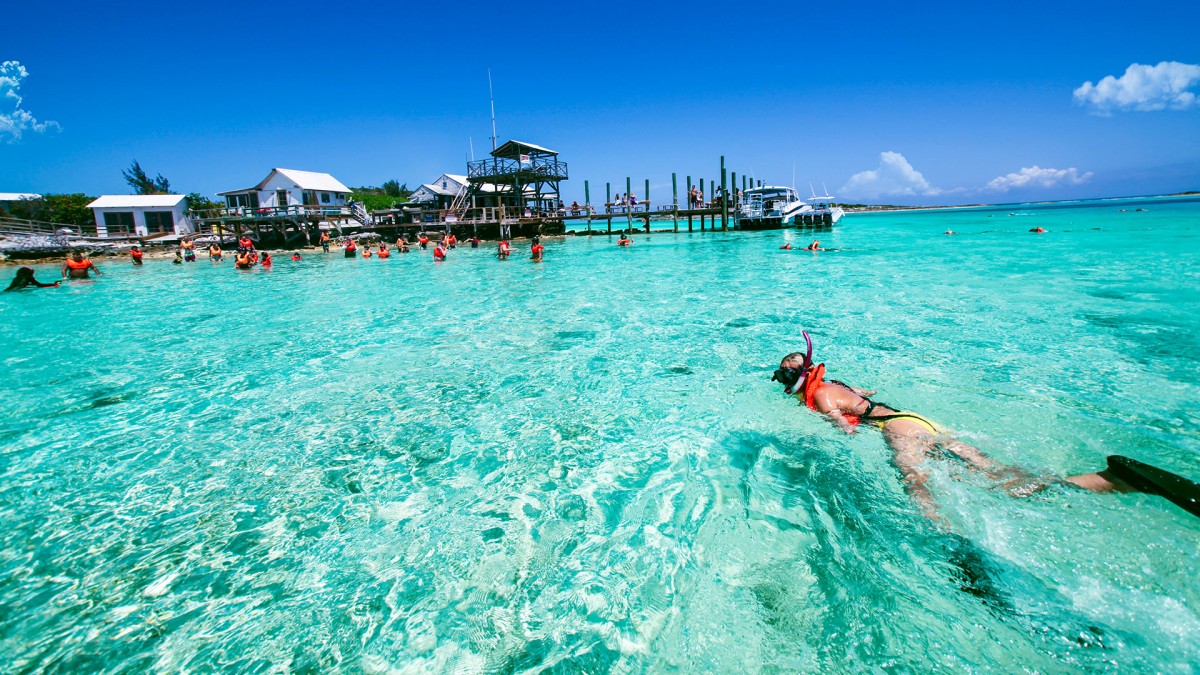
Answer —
582 465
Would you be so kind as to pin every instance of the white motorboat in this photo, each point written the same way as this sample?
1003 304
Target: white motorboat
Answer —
769 208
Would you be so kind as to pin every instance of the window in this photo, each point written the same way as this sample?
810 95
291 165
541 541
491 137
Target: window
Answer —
118 222
243 200
443 185
160 221
309 198
324 197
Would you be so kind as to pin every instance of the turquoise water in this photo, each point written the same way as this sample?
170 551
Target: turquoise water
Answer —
381 465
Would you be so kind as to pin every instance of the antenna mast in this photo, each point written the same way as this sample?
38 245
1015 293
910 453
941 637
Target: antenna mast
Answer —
493 99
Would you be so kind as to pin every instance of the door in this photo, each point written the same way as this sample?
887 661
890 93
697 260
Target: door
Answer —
281 198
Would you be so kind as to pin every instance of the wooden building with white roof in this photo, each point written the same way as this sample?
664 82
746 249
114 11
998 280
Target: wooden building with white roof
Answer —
284 188
141 215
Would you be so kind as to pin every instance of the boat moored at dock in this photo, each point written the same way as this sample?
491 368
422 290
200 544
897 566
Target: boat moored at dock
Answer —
769 207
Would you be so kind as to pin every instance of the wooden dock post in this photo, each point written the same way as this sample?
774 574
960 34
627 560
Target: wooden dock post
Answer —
647 196
607 201
690 205
587 204
743 183
675 200
702 204
628 209
724 198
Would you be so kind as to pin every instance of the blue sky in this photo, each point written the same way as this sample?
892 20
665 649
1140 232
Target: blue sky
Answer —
906 104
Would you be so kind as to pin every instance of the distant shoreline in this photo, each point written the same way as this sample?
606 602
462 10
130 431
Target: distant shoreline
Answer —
892 208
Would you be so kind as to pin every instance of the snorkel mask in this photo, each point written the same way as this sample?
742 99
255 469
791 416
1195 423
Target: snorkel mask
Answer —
793 378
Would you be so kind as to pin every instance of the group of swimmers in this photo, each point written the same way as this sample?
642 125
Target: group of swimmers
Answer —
248 256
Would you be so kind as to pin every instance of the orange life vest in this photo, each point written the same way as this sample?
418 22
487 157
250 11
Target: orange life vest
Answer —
814 381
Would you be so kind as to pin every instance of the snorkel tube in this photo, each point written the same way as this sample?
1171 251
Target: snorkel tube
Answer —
794 379
805 368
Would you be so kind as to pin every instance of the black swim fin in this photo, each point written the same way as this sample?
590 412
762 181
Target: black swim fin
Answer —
1155 481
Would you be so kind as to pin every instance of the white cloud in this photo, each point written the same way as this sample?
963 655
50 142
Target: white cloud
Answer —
894 177
1161 87
1035 176
14 124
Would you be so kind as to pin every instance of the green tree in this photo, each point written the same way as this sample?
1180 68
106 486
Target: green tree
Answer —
198 202
65 209
391 188
143 184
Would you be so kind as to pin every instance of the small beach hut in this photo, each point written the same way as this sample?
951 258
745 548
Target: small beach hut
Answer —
141 215
289 187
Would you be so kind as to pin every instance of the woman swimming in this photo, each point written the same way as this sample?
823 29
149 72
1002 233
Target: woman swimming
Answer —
24 279
912 436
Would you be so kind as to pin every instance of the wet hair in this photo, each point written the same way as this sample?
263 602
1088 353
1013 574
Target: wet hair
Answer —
794 356
24 278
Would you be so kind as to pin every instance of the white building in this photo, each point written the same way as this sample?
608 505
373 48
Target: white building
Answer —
289 187
141 215
439 193
7 199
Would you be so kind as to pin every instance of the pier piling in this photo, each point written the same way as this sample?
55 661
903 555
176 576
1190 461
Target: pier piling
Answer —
690 205
675 201
724 198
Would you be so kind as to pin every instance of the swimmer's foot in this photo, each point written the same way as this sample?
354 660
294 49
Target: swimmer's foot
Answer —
1142 477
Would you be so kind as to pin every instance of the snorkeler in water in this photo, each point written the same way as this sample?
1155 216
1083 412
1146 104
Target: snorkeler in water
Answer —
912 436
24 279
815 246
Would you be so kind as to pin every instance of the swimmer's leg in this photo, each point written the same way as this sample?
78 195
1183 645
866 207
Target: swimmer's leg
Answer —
909 449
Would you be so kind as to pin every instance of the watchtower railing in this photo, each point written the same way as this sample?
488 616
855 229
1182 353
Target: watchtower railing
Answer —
547 168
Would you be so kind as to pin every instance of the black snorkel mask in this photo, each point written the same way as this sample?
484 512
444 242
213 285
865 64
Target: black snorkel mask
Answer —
793 378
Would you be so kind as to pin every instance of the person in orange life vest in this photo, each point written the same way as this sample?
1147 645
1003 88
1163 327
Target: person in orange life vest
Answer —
245 244
366 251
503 250
243 260
266 259
423 241
1039 229
536 251
136 254
253 256
439 252
624 241
77 266
815 246
911 437
474 242
296 256
451 241
325 241
351 248
383 251
786 247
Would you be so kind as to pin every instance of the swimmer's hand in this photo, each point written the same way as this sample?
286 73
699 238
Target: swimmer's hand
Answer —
841 421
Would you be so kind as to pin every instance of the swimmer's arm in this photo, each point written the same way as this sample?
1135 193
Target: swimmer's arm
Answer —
841 421
863 392
92 266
